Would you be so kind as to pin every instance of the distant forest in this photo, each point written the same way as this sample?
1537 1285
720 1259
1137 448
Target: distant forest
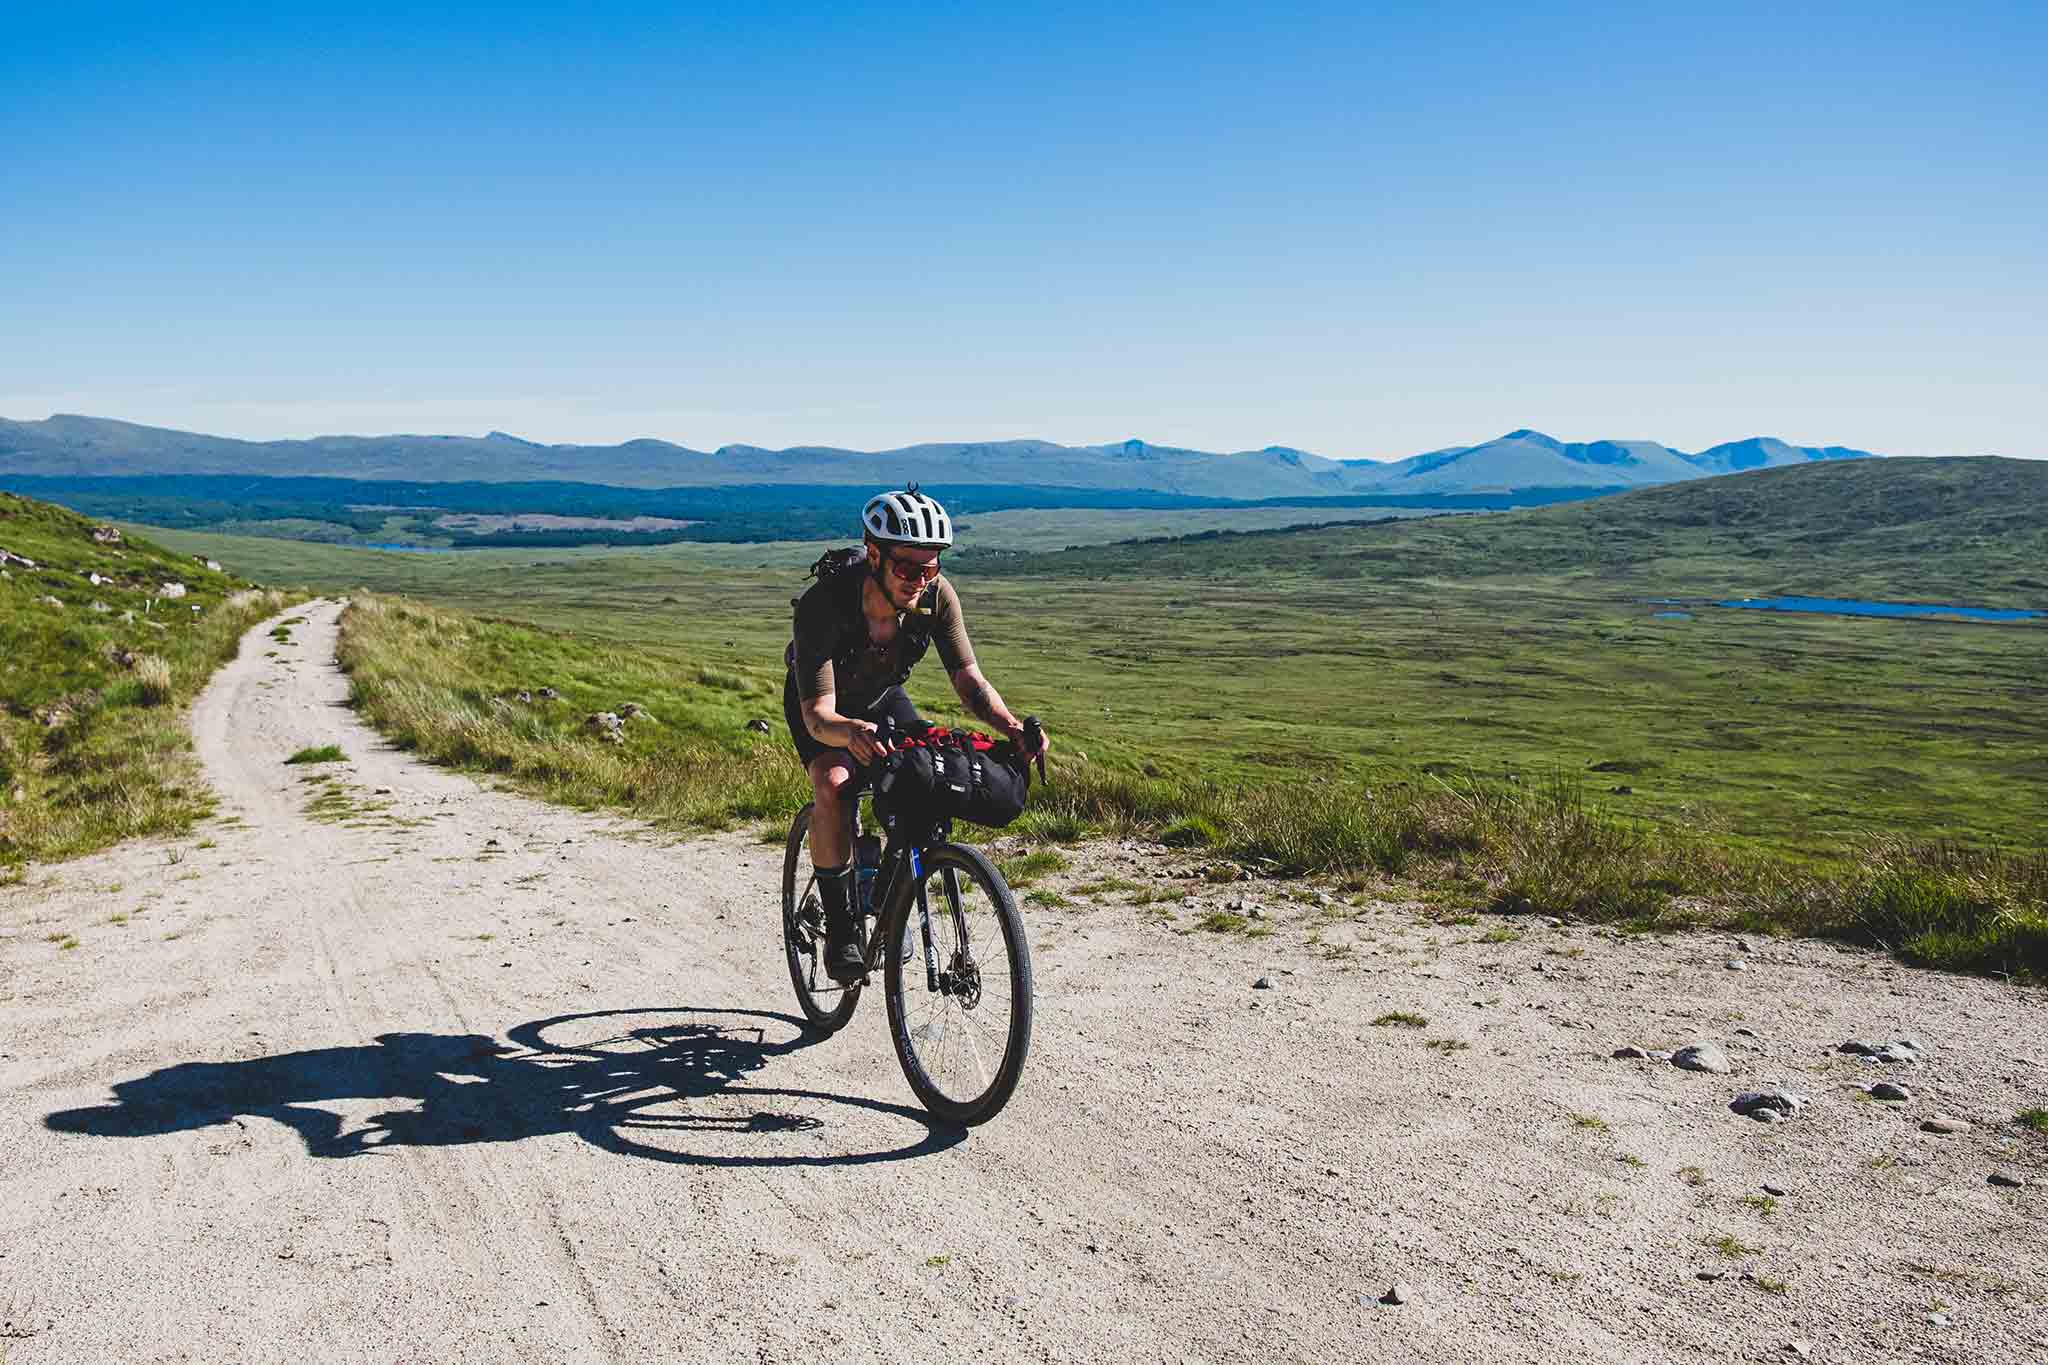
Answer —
372 511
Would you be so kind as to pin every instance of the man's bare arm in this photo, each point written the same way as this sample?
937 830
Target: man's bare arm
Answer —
821 717
980 697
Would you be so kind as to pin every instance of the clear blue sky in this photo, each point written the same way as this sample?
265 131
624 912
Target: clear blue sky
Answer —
1362 230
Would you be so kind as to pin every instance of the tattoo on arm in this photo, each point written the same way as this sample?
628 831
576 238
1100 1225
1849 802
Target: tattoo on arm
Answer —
979 697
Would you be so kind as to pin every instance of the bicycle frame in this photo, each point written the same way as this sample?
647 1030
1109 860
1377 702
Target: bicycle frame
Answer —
895 892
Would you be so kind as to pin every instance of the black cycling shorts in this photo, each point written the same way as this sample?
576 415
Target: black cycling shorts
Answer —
893 703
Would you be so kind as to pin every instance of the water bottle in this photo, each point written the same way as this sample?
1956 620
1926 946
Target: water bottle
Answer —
867 861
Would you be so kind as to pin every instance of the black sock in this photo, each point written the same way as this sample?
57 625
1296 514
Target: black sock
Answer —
833 884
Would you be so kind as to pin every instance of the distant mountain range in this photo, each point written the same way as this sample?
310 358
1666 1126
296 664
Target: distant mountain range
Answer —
1521 462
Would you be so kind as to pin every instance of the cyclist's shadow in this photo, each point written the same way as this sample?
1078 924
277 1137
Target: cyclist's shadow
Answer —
628 1090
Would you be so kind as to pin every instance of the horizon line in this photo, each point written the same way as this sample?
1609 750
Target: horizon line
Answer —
1272 448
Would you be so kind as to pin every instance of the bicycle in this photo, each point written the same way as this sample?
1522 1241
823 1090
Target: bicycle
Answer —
960 1020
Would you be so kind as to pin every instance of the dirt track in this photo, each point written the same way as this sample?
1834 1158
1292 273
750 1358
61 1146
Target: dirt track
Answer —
472 1078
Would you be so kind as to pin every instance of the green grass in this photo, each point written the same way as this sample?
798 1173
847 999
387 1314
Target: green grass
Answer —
1763 1205
1051 826
727 681
1590 1121
326 753
93 747
1026 868
1729 1246
1190 832
1440 700
1223 922
1401 1019
1108 886
445 685
2033 1119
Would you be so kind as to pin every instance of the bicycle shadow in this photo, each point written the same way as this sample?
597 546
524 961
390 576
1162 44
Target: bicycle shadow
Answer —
470 1088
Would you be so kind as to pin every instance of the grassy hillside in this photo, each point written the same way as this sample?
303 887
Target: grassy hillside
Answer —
92 678
1972 532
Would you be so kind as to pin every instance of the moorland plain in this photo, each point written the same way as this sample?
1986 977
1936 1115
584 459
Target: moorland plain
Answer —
1512 646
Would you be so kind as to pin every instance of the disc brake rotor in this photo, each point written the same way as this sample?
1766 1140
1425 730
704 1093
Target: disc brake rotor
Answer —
965 977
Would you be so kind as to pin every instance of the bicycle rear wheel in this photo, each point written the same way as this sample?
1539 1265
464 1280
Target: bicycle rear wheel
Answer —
826 1003
962 1029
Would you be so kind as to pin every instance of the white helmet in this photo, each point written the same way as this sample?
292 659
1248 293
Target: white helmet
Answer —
908 518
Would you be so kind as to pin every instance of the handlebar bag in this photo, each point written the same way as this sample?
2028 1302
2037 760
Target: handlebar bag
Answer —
963 777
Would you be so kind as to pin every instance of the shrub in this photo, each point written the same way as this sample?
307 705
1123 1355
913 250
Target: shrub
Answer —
1059 827
1943 905
1022 871
719 678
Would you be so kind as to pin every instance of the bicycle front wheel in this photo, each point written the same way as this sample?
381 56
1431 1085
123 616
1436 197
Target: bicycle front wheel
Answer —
826 1003
960 1002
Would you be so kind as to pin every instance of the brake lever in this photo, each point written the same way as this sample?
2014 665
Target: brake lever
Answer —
1034 739
885 740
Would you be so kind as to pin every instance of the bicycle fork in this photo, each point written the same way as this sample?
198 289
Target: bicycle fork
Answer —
924 924
935 981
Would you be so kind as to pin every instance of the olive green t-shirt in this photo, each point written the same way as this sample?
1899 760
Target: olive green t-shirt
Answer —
834 653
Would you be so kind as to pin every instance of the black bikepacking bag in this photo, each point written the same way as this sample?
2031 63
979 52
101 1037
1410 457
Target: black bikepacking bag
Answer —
942 775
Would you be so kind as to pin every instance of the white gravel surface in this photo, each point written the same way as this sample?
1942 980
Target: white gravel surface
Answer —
468 1077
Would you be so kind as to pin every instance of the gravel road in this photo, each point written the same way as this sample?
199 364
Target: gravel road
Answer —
403 1067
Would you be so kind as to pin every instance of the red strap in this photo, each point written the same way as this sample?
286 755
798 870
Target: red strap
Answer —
939 737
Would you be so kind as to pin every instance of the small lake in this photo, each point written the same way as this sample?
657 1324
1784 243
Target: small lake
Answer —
1844 606
412 549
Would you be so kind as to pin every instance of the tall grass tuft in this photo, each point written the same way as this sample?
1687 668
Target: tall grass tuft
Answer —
1942 904
153 680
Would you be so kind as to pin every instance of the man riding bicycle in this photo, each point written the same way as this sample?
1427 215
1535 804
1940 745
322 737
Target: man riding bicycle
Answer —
858 634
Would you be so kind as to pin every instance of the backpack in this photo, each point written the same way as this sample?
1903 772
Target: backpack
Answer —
841 573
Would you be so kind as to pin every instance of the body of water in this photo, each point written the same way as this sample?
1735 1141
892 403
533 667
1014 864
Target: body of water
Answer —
413 549
1845 606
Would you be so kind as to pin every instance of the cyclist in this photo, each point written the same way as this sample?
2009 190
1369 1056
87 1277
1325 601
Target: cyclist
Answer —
857 635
